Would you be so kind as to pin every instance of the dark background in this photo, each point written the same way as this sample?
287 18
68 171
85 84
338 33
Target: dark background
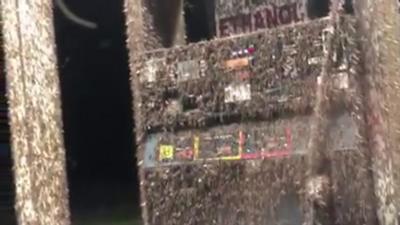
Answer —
95 92
97 113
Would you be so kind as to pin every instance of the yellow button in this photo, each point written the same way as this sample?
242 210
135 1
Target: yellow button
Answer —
166 152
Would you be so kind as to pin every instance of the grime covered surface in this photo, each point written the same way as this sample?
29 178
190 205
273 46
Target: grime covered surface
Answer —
225 126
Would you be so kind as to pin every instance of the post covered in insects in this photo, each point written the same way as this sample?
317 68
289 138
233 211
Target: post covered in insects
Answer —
35 112
379 31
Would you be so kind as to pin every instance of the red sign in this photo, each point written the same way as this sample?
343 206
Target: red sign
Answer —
265 17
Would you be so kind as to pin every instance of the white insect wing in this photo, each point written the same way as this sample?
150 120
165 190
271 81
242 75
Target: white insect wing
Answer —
319 80
314 60
343 81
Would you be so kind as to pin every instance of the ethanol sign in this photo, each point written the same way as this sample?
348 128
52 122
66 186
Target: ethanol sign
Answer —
267 15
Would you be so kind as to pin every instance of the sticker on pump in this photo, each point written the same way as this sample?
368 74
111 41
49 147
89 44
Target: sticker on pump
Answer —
166 152
237 93
239 63
188 70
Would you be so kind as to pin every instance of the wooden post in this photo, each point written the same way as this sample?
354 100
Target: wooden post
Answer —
178 22
137 34
167 21
143 37
35 112
162 22
379 28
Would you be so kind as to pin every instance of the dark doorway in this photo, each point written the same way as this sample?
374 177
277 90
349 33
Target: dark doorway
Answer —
97 115
320 8
199 20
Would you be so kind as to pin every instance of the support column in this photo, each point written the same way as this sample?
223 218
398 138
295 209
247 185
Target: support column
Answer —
35 112
320 199
379 27
137 35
